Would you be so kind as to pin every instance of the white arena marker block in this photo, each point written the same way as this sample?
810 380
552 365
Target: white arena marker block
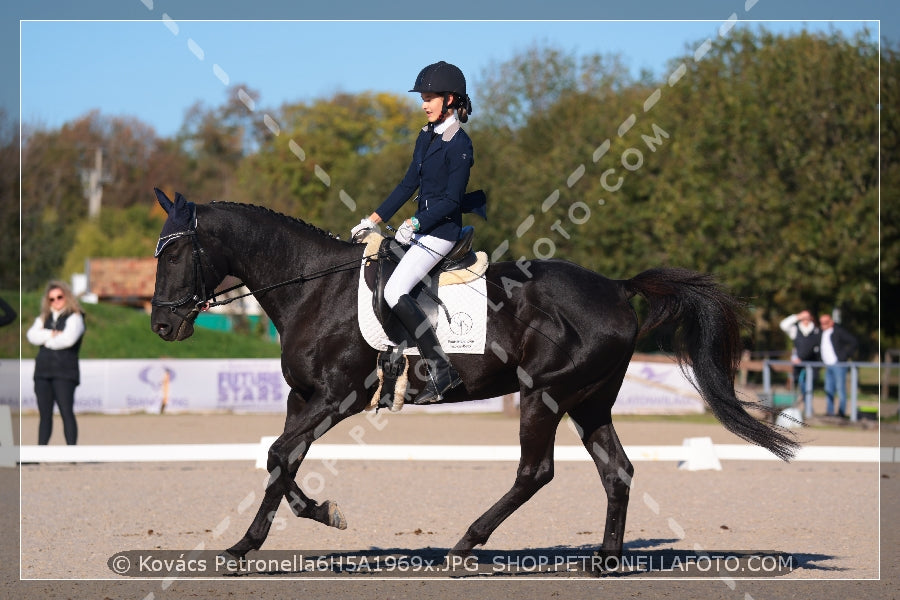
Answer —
7 448
700 455
790 418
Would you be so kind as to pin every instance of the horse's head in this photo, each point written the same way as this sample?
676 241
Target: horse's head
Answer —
182 283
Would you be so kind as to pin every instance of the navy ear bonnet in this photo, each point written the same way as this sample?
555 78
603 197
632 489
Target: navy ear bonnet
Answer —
182 219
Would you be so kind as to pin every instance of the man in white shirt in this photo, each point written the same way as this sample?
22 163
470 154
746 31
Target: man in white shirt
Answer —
838 346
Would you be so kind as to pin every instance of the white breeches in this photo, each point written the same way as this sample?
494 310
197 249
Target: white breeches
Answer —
414 266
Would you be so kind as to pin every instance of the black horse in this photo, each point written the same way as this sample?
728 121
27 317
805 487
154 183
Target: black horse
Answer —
559 334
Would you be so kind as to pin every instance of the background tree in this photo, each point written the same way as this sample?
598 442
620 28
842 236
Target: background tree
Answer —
54 206
771 177
52 195
9 202
123 232
214 142
360 145
538 116
889 207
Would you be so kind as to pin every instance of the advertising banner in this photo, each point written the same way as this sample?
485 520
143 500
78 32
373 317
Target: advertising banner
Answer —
256 385
135 385
657 388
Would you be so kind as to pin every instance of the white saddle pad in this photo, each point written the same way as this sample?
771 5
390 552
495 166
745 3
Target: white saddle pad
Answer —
464 334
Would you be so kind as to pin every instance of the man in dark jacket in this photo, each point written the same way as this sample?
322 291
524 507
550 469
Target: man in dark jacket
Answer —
807 337
838 346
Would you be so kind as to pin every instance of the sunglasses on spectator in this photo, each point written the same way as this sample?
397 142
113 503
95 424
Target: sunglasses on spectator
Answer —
55 298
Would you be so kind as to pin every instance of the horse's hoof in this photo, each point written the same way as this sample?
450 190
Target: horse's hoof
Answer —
230 556
335 516
460 559
464 546
602 561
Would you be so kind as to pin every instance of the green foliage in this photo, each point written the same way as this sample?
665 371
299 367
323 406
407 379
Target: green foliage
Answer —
51 200
120 332
54 166
352 146
889 207
513 93
775 153
759 165
213 142
9 201
121 232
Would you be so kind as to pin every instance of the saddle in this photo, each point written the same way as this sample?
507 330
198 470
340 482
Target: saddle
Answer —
453 268
460 265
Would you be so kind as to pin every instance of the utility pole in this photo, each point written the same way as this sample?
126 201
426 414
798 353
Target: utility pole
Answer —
93 180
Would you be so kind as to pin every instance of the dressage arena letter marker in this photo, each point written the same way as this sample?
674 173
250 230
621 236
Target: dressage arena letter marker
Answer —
701 455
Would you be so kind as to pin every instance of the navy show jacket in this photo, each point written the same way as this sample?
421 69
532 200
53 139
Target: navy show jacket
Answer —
440 171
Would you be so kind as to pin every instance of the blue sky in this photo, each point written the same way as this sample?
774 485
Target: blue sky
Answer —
155 69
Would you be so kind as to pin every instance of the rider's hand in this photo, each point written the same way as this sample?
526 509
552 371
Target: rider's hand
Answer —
364 225
404 233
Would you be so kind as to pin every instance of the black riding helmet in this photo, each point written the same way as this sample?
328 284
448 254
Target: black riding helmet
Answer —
444 78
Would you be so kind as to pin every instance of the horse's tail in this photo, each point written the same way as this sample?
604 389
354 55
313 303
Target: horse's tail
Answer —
707 337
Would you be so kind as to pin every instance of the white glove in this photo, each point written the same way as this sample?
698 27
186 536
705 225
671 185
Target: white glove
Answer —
404 233
364 225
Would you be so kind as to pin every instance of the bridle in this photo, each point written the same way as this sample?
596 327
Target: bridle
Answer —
196 295
199 297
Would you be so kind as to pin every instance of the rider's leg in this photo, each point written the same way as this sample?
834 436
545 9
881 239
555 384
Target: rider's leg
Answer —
414 266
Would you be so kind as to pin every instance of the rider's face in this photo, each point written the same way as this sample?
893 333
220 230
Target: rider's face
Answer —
432 104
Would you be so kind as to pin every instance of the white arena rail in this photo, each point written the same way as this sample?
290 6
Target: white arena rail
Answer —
694 454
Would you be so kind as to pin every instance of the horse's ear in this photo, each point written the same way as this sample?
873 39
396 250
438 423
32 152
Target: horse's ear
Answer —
163 200
180 200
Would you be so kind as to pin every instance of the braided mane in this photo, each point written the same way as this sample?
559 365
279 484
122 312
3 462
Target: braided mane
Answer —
274 213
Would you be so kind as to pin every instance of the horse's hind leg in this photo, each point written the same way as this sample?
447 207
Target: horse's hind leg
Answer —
537 431
600 439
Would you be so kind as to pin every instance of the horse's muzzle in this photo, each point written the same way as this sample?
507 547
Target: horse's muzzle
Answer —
180 330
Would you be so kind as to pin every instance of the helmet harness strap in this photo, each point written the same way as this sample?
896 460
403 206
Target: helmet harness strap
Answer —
445 108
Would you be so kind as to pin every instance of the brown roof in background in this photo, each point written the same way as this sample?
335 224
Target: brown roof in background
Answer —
122 277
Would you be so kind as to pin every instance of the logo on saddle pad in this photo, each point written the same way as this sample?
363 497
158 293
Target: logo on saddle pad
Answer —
459 318
461 323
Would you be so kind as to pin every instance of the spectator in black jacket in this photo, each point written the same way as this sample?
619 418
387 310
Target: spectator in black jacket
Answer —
7 314
838 346
58 331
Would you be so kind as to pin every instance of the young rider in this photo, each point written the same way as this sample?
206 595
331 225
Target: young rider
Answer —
440 166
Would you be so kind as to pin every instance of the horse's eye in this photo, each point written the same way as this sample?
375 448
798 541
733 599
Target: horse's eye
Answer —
172 259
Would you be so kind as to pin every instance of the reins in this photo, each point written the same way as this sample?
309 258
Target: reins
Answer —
203 301
299 279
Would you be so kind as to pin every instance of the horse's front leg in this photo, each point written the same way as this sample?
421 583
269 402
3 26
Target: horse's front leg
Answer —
285 456
259 529
328 511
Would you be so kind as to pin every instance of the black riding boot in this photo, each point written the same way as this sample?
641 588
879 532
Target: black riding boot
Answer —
442 376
